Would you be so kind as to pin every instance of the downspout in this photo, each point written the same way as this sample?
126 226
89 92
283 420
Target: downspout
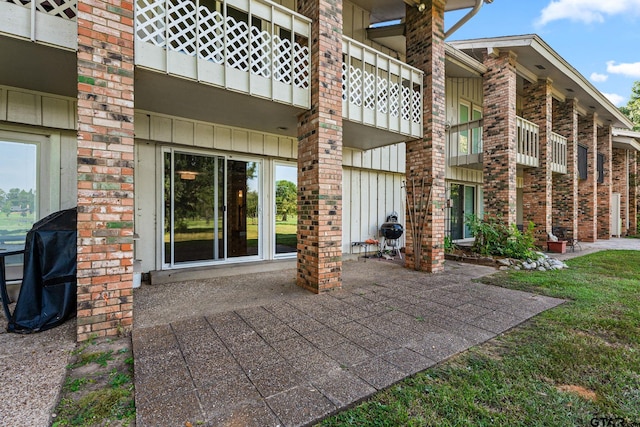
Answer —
466 17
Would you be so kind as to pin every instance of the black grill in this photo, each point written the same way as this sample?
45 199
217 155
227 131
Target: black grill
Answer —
391 230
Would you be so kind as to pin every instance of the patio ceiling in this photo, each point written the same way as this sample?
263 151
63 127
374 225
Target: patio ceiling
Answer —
390 10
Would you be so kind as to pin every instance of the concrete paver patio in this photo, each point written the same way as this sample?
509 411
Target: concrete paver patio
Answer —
296 360
203 368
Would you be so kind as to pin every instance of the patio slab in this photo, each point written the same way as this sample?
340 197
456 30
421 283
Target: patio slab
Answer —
302 357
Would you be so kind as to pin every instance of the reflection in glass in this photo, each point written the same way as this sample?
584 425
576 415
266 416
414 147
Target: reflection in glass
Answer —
462 200
193 228
286 209
243 201
211 208
18 193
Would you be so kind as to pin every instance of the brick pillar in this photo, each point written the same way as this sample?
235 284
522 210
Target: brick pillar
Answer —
537 191
499 136
634 181
620 184
565 186
426 156
320 154
604 189
105 168
587 189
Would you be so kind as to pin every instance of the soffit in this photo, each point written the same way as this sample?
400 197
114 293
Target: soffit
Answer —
626 139
536 61
390 10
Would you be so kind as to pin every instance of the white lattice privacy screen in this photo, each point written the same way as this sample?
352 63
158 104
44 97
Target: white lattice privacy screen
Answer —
380 91
48 21
256 47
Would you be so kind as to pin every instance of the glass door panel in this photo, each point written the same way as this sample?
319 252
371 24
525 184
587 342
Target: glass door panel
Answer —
457 212
194 218
286 213
243 208
469 208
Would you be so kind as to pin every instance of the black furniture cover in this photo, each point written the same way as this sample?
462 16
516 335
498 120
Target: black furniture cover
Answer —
48 294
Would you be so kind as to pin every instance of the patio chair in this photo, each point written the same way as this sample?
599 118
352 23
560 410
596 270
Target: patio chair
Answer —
565 235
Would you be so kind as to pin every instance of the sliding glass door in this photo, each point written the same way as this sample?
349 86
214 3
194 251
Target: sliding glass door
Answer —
463 202
211 208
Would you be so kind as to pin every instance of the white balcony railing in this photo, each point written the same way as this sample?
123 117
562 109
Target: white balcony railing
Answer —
558 153
47 21
464 143
380 91
528 143
252 46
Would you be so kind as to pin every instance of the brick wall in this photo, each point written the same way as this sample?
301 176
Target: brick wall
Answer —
537 191
565 186
620 183
320 154
587 190
499 136
105 168
426 156
604 188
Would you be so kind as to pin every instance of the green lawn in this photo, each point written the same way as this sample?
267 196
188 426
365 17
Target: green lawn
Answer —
575 365
14 227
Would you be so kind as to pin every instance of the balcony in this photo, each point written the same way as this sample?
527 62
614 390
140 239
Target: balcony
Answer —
381 92
254 47
558 153
464 144
528 150
51 22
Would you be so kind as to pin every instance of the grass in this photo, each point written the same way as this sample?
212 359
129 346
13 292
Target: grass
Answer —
575 365
99 386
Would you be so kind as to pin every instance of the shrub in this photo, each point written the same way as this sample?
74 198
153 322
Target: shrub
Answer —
494 237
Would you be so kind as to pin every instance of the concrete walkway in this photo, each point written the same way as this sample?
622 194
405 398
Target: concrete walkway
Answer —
32 372
297 360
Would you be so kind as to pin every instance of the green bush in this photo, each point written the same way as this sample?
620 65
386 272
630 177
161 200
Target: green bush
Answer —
449 246
493 237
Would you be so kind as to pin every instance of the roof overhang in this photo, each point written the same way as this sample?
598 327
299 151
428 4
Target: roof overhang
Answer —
459 64
391 10
626 139
536 60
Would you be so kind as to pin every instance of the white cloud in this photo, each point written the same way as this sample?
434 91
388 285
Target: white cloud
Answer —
626 69
587 11
617 100
599 78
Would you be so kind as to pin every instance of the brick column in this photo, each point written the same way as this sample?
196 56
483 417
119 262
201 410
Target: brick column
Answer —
426 156
499 136
604 189
320 154
634 181
537 191
587 188
565 186
620 183
105 168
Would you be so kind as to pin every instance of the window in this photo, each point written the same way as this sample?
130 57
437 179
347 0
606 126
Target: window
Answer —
476 133
600 168
286 209
18 191
463 137
582 162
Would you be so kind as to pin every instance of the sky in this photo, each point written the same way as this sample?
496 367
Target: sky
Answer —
599 38
17 166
